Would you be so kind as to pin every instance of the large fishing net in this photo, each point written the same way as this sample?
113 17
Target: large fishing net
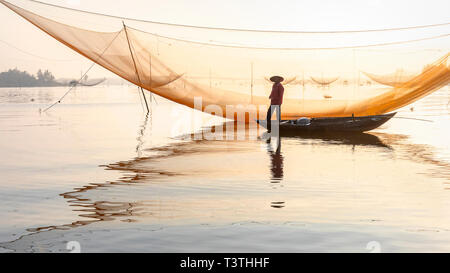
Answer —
225 71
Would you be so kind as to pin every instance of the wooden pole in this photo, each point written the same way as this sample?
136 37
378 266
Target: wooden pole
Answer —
151 81
135 66
303 90
210 82
251 86
303 84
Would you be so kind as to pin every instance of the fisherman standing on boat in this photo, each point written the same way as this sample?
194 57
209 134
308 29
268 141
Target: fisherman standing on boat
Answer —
276 99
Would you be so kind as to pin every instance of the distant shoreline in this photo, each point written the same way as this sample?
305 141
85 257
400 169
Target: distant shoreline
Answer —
14 78
30 86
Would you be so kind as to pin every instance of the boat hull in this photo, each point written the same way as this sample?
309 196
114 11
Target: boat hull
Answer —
334 124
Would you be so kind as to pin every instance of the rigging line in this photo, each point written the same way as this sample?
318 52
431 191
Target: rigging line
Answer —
237 29
137 63
294 48
92 65
154 98
37 56
135 67
418 119
150 79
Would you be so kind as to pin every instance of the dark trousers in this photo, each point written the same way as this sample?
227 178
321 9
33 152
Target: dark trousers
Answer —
270 111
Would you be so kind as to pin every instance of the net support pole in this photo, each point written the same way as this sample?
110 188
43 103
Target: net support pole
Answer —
210 80
251 86
303 85
135 66
150 77
303 90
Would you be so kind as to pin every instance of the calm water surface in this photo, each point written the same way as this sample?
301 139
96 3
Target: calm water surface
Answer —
97 170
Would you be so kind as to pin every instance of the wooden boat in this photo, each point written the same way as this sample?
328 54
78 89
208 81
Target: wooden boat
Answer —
332 124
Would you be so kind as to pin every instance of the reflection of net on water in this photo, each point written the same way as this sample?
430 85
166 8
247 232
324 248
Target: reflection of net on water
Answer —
231 67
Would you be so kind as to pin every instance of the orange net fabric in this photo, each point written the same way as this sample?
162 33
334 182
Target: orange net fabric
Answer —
394 79
228 69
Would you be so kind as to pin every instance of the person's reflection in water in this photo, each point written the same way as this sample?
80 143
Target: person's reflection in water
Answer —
276 166
276 169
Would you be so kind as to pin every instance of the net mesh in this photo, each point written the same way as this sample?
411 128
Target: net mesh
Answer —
397 78
225 67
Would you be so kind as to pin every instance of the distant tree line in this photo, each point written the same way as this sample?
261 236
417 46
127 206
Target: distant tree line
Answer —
17 78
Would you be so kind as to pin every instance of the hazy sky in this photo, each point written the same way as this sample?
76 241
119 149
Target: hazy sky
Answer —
261 14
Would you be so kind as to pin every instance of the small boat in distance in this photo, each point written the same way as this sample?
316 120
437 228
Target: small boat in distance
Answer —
332 124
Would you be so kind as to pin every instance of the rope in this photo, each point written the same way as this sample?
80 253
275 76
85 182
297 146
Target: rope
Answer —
92 65
295 48
37 56
235 29
418 119
264 31
154 98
